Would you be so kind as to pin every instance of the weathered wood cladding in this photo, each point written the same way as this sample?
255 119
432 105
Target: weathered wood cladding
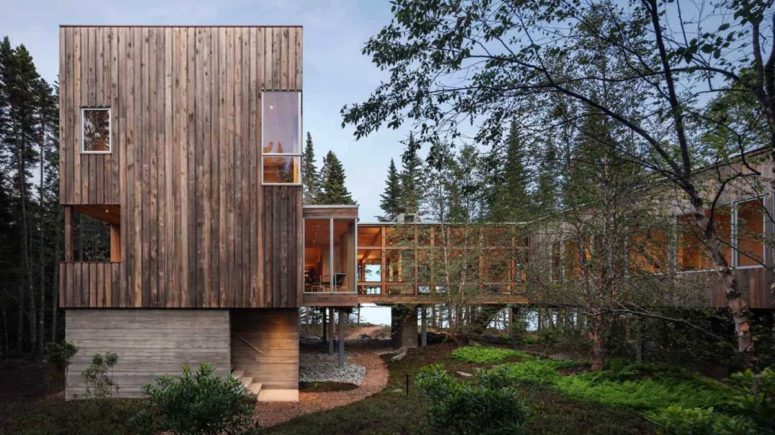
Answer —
148 343
184 167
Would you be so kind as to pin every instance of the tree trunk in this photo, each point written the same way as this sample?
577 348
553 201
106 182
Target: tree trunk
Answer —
55 284
738 306
596 333
41 244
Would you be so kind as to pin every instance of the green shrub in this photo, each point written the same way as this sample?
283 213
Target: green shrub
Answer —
487 355
675 420
489 406
754 398
98 377
60 354
196 403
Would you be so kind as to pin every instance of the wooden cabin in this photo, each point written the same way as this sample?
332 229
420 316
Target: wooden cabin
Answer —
183 144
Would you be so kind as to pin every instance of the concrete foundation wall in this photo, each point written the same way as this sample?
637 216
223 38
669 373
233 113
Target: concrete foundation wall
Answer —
148 343
275 332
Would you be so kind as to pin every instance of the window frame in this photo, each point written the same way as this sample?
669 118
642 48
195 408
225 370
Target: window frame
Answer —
331 266
298 154
110 129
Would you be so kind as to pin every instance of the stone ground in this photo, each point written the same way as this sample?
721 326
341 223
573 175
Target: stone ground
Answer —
362 361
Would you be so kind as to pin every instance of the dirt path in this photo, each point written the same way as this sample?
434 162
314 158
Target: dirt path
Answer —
270 414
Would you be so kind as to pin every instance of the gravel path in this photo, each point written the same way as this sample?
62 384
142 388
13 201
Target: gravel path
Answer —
374 380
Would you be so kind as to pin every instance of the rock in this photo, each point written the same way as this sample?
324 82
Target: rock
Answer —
464 374
400 355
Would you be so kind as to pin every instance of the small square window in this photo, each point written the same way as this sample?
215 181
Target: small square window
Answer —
95 130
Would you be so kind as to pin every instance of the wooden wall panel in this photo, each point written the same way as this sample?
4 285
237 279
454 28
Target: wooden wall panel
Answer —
185 132
149 343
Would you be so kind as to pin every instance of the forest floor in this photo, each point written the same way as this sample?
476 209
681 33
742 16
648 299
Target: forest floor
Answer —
555 386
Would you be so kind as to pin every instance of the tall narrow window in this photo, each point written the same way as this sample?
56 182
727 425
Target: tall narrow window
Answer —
281 138
750 233
95 130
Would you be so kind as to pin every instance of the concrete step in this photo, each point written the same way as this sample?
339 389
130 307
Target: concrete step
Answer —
255 388
246 381
238 373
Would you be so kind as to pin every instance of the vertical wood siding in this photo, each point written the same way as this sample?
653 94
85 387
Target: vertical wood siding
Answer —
186 134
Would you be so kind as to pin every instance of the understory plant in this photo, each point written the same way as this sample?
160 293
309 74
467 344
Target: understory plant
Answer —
199 402
488 405
98 377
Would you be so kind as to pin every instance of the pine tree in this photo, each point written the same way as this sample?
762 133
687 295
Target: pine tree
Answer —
547 190
332 182
509 197
411 176
390 199
309 173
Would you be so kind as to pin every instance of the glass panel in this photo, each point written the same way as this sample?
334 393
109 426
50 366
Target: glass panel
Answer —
497 266
96 130
317 275
344 249
399 265
372 290
369 265
692 254
648 250
750 231
424 234
690 249
396 236
496 236
424 266
281 123
279 169
369 236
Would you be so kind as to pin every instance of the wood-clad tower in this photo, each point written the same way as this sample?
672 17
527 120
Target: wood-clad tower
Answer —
185 141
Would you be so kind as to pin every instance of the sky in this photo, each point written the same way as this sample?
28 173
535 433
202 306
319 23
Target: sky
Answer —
335 71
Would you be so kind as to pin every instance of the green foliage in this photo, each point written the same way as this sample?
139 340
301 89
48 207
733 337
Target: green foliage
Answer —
56 416
390 200
59 354
196 403
676 420
332 182
309 173
488 355
754 397
98 376
543 371
489 406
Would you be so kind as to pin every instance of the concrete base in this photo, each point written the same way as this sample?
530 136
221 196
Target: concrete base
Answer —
278 396
403 329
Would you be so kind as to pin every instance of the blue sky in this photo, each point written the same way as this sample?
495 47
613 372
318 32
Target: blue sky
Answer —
335 71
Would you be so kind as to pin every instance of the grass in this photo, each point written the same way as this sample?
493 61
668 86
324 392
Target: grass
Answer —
394 411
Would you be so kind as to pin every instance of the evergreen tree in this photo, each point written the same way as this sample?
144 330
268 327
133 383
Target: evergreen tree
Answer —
509 198
411 176
309 173
391 198
332 182
545 197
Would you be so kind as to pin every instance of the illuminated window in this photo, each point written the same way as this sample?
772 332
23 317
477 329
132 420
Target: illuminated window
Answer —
95 130
691 253
750 230
281 138
648 250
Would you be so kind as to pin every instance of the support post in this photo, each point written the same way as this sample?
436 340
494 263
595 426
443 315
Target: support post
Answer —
423 327
325 325
115 243
330 331
342 318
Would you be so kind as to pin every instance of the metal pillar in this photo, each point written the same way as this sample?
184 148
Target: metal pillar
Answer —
325 326
330 331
